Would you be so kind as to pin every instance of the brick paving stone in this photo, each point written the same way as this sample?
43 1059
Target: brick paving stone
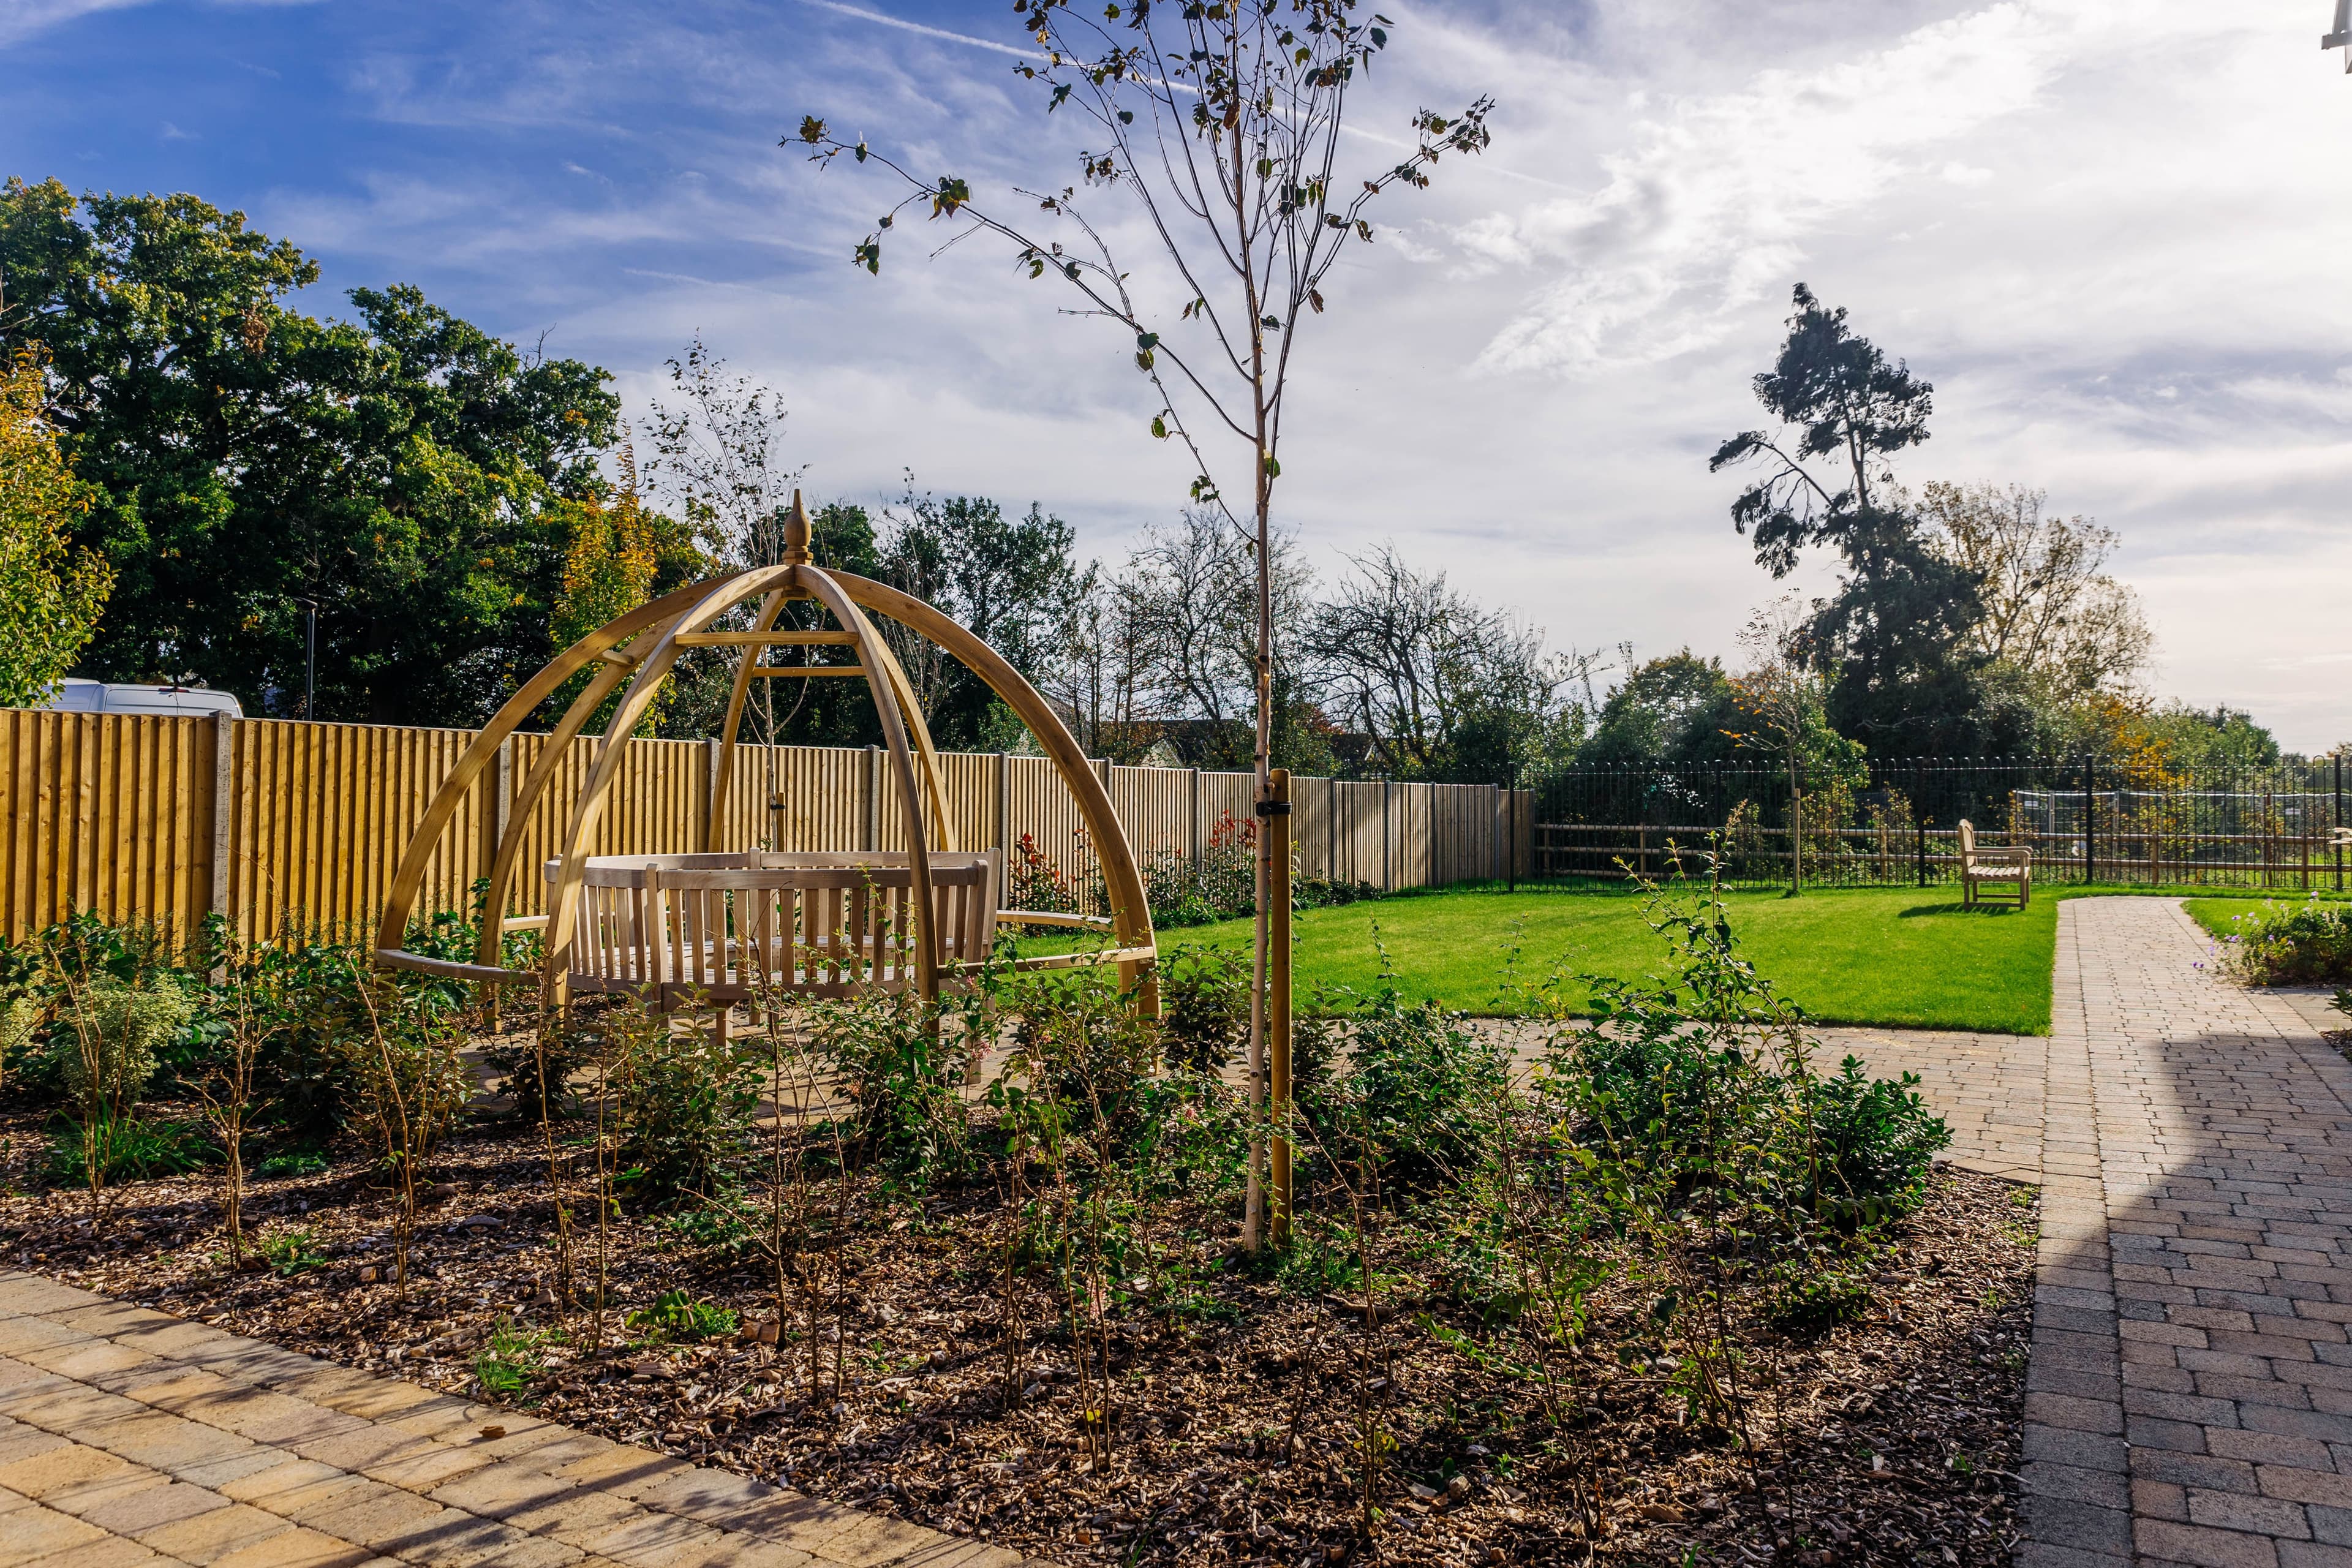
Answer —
297 1547
205 1538
128 1438
107 1551
36 1533
2198 1155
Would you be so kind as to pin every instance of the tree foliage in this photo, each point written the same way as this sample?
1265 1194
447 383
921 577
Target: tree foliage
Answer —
2046 605
50 592
1895 627
401 470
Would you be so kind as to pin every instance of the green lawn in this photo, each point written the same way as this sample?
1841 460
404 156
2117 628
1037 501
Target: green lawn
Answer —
1848 955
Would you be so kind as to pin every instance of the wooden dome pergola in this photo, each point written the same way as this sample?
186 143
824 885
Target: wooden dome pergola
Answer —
701 921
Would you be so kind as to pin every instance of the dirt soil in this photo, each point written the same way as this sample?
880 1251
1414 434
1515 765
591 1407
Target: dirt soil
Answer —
1237 1424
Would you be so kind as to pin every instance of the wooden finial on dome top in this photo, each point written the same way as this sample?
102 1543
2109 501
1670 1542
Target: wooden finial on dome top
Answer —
796 533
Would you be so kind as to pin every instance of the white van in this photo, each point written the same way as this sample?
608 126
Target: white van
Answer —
71 695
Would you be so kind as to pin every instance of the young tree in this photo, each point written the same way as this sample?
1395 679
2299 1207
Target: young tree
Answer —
50 594
1894 627
1221 123
1783 700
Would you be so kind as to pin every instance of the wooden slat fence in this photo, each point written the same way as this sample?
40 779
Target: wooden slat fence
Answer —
277 823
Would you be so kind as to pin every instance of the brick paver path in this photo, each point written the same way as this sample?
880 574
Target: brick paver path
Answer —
130 1437
2190 1394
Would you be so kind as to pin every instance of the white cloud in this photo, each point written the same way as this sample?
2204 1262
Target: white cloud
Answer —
2054 209
1721 198
22 20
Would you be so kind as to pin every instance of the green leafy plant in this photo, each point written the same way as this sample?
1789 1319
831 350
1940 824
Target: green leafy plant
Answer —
290 1251
724 1228
292 1162
688 1101
677 1315
901 1062
124 1147
1204 1002
512 1359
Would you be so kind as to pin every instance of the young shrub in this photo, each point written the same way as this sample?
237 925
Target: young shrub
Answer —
398 1041
117 1001
688 1114
1876 1140
245 1013
1084 1042
118 1027
902 1064
1204 1008
536 1066
1416 1089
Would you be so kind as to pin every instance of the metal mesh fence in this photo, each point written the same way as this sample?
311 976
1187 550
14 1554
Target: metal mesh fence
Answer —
2084 820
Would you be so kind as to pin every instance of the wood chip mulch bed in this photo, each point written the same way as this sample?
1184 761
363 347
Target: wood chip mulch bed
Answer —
1895 1438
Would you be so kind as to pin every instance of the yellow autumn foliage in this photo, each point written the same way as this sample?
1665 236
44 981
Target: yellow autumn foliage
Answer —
50 592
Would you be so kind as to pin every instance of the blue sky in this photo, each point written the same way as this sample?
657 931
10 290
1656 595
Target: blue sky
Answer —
2114 236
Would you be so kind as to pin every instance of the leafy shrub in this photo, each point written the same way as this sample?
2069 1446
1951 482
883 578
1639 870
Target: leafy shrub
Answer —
561 1047
1705 1080
1204 1008
902 1064
724 1228
1083 1042
292 1162
2278 944
687 1107
1874 1138
1420 1090
117 1028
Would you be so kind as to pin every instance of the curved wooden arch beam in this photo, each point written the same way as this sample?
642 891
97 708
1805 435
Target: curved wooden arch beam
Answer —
723 775
821 585
486 946
797 546
1130 911
400 900
927 757
652 672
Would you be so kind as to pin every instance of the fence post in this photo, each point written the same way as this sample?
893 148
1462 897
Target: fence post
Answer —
1387 856
1432 832
1919 818
2338 822
710 794
2090 825
224 813
1331 830
1192 832
1511 830
873 799
1005 803
500 804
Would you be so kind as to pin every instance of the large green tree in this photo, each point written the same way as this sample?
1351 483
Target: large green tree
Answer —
400 472
1893 632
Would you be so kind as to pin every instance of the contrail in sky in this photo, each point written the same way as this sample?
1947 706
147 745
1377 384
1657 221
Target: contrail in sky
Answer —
929 32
